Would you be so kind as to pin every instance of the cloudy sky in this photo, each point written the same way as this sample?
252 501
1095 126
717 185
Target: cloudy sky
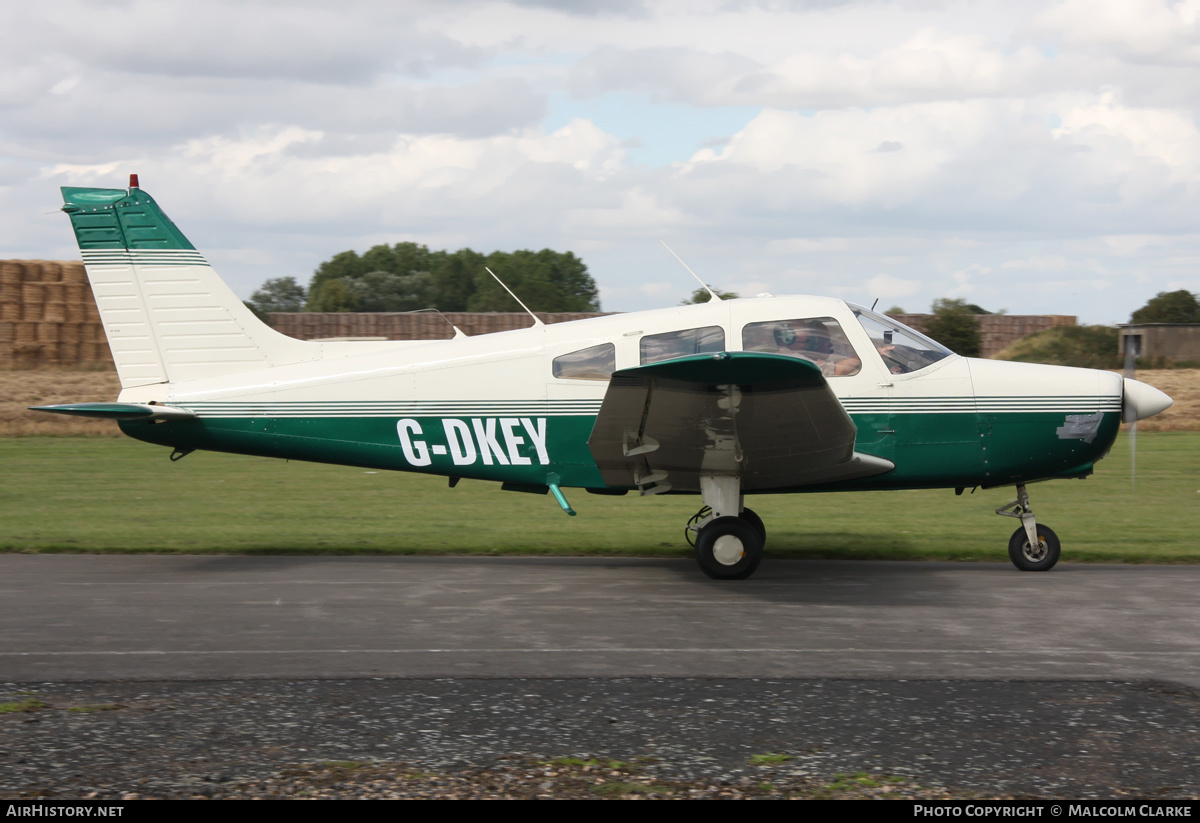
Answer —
1039 157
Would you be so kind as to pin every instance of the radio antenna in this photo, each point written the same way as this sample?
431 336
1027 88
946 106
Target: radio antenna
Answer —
715 296
457 331
537 321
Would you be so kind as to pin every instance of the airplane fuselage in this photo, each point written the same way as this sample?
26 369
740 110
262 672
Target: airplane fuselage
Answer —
494 408
724 399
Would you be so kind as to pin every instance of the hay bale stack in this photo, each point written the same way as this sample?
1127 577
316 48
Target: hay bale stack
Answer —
48 316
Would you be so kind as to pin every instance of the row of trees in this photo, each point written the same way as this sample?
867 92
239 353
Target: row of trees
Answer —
408 277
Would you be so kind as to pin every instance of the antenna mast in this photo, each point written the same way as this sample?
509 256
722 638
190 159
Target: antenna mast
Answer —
537 321
457 331
715 296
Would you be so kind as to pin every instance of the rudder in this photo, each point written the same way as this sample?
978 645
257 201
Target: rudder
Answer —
167 315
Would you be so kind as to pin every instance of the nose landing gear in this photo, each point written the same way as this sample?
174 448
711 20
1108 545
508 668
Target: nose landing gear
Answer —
1033 547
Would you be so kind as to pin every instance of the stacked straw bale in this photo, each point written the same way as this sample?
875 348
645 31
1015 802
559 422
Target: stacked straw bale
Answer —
48 316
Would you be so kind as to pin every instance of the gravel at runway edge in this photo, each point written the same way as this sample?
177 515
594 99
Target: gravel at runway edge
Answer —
599 737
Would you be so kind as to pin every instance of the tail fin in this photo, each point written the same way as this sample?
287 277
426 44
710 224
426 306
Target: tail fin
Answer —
167 314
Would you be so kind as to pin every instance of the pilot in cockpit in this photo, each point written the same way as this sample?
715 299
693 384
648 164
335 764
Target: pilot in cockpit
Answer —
811 340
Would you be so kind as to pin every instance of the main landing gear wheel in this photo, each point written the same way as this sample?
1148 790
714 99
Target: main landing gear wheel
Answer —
728 548
756 523
1040 558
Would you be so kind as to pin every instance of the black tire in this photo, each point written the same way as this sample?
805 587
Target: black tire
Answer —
757 524
1040 560
725 559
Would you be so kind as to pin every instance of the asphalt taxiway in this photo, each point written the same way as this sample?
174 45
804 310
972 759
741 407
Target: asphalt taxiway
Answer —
98 618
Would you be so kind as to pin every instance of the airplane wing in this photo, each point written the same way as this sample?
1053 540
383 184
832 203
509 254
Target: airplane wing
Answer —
769 419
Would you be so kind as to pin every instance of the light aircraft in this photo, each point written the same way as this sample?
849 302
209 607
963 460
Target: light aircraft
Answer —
733 397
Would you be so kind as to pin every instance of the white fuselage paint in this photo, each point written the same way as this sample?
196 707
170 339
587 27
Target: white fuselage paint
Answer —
491 383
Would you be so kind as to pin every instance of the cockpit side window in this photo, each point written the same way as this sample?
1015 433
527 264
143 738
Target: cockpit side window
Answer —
819 340
903 349
672 344
595 363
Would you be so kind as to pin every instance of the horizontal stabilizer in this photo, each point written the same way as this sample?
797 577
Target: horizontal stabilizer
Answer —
118 411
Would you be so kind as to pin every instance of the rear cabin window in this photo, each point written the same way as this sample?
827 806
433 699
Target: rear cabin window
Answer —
819 340
668 346
596 363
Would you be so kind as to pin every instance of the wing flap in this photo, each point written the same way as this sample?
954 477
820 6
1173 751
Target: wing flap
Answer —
769 419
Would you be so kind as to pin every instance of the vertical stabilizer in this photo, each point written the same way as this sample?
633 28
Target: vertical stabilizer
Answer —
167 314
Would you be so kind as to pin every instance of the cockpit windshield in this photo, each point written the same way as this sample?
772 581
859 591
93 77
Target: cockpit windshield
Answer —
903 349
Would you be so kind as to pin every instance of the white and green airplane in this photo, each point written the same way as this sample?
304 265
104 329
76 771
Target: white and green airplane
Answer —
762 395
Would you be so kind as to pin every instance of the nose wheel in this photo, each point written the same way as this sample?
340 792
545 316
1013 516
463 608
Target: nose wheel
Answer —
1033 547
1030 558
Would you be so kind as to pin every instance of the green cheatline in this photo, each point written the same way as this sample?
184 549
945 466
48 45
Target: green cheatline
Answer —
117 495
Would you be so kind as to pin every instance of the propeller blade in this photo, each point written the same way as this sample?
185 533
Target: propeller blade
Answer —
1138 402
1130 412
1133 455
1129 373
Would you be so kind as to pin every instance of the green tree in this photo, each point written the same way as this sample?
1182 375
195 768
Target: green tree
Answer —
454 280
408 276
277 294
385 291
1169 307
702 296
332 295
954 326
341 267
545 280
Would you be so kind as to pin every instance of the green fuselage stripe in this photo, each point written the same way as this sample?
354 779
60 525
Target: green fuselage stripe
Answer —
929 450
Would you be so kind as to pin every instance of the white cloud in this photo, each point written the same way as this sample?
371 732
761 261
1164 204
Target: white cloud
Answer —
929 66
902 149
1155 31
674 73
886 287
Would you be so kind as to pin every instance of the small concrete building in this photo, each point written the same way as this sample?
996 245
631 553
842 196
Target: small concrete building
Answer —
1166 343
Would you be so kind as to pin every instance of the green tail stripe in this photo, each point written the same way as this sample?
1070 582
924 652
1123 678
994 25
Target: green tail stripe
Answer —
119 219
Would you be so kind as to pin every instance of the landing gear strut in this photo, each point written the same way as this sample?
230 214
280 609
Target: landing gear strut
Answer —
729 538
1033 547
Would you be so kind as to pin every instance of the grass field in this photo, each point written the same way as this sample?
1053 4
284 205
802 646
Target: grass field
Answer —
88 494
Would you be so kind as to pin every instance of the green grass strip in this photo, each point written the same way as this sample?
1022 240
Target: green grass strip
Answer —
83 495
